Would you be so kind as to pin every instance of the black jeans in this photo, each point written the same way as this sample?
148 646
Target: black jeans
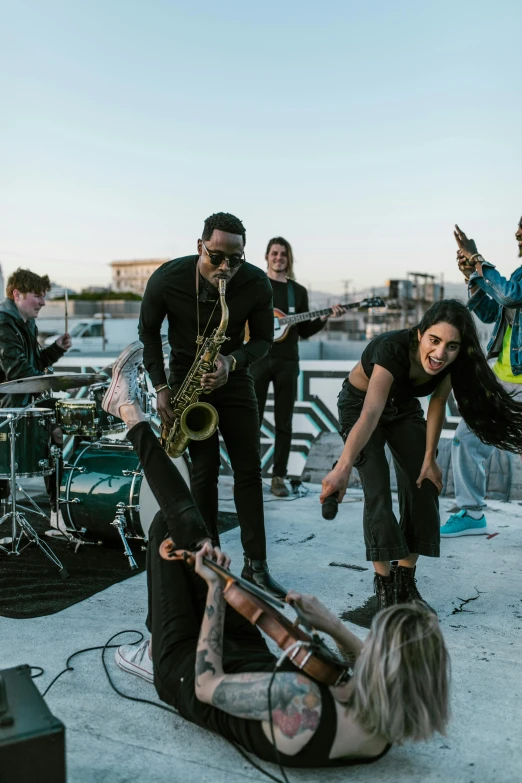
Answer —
239 426
283 373
403 429
176 595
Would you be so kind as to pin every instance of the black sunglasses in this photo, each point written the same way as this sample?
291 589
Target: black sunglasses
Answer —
216 259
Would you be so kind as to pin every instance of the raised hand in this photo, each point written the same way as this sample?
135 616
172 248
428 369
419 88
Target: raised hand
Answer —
467 246
64 341
464 267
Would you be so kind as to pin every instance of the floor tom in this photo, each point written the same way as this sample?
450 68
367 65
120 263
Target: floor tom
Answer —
32 428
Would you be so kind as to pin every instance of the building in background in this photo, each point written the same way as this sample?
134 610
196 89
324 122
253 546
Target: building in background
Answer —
57 291
133 275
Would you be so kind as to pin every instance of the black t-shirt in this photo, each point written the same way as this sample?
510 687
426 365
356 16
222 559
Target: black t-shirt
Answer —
288 348
391 350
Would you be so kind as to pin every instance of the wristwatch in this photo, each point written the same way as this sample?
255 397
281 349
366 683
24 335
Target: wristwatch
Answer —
234 363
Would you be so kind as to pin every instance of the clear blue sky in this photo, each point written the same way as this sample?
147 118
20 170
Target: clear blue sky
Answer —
361 131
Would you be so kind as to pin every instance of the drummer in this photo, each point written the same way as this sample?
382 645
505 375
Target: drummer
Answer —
22 357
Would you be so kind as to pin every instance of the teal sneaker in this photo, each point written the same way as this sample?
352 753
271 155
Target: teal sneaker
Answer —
462 524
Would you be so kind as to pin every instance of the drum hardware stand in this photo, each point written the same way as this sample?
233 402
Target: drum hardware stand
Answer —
18 520
120 523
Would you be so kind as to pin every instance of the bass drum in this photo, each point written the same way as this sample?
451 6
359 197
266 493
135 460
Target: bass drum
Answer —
102 475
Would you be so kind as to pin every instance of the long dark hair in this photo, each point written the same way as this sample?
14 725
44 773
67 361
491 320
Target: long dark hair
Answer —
487 408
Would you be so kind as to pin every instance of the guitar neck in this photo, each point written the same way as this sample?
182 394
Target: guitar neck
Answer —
288 320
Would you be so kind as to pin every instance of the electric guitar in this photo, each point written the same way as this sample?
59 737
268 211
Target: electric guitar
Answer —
283 322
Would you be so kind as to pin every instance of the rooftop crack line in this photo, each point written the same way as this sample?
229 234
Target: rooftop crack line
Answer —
465 601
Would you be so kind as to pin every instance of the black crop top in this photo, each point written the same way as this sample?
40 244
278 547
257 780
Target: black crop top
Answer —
391 350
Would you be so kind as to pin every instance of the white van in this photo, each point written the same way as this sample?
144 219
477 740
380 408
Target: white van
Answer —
92 335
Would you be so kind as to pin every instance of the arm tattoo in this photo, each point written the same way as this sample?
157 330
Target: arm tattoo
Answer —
215 641
203 665
209 664
296 700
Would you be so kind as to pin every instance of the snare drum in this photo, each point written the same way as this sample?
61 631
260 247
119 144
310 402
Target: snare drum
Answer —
101 475
86 417
107 422
77 417
32 442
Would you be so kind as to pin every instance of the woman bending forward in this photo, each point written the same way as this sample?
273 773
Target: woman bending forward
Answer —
378 406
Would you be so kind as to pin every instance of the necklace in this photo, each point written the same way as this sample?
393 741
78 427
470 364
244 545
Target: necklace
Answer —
200 338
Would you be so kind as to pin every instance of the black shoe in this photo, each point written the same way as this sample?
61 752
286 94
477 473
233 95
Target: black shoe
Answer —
384 590
256 571
406 587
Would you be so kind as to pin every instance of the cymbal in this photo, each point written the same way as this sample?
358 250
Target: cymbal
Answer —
58 381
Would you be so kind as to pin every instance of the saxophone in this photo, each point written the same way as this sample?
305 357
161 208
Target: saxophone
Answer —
194 420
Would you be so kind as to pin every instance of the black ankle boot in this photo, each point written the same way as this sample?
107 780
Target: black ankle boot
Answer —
256 571
384 590
406 587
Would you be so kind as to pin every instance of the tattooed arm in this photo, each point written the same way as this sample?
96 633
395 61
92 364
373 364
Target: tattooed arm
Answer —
209 654
295 700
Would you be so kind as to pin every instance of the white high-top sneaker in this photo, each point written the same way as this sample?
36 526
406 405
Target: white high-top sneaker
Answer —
123 388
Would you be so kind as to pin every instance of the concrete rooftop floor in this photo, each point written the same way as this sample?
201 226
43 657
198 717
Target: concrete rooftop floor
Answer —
112 740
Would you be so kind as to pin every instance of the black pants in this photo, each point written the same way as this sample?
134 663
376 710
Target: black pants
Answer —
403 429
239 426
283 373
176 596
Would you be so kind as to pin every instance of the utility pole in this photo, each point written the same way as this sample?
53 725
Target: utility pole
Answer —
346 284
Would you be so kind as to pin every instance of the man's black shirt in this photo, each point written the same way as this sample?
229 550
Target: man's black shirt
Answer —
287 348
171 292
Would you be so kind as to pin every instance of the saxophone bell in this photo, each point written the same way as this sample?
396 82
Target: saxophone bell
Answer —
198 421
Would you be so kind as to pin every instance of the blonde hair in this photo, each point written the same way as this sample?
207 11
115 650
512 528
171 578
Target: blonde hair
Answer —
401 678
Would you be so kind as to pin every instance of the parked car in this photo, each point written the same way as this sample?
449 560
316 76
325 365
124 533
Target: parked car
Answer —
97 334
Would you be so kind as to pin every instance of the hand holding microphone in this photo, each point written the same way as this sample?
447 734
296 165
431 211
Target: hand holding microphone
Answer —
330 506
334 488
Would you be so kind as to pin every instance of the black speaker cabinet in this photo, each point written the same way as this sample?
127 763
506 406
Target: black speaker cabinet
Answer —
32 741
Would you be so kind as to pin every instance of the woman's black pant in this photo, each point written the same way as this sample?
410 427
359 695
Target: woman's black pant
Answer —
176 595
283 373
403 429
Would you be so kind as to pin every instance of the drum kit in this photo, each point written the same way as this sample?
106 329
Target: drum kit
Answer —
101 490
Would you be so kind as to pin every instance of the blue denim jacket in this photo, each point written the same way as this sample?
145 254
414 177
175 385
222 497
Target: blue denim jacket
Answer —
496 293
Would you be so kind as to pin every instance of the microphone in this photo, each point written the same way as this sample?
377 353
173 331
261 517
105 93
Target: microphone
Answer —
330 506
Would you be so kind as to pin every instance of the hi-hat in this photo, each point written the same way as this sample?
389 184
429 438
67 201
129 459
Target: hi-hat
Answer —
58 381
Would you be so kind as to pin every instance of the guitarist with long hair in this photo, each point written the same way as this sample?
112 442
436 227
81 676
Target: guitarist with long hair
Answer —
281 365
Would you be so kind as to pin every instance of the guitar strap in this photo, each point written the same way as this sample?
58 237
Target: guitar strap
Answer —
291 296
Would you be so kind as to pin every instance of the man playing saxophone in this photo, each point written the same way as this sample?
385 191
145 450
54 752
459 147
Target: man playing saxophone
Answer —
185 290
